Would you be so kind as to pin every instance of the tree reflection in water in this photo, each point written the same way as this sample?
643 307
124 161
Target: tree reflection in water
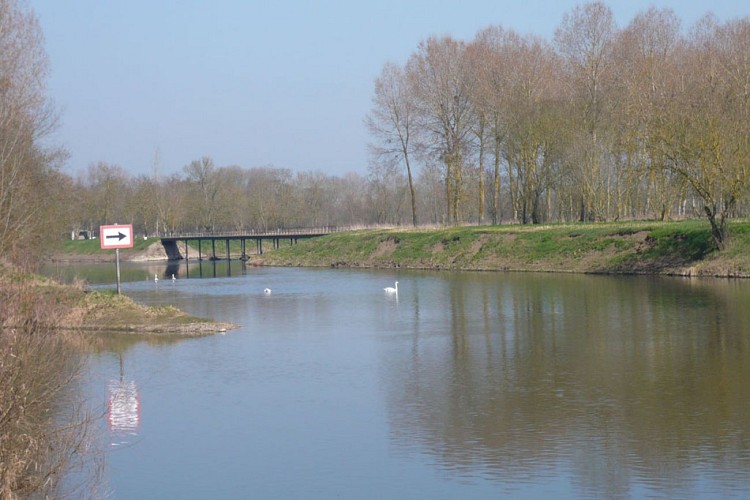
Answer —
617 382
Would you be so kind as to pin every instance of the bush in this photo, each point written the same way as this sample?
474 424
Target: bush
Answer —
45 431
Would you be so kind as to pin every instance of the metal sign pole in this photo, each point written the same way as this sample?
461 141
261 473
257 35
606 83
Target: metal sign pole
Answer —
117 258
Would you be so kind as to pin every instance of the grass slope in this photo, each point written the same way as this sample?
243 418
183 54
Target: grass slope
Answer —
647 247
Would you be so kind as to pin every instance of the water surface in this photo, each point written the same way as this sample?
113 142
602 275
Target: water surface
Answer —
465 385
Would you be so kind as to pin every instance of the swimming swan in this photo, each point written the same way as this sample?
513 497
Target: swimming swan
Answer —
390 289
267 291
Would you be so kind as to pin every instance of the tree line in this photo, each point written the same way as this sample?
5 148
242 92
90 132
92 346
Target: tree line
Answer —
599 123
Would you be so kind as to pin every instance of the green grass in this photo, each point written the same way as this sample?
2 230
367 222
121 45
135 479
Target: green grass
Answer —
638 247
684 247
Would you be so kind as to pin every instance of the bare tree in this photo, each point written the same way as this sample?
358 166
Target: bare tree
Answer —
534 124
704 129
585 41
386 187
645 62
109 199
477 55
25 118
270 198
231 207
202 176
392 122
438 72
493 47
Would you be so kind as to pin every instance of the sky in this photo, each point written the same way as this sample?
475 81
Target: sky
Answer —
151 85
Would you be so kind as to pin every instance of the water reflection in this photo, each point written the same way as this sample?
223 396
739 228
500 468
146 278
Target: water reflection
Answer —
123 409
616 380
164 271
464 385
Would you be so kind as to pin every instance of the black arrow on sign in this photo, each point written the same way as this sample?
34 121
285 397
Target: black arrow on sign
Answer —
119 236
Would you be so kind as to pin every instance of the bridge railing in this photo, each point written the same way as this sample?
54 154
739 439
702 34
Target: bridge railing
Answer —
255 233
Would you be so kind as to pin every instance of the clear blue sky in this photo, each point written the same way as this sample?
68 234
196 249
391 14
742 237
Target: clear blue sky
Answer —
257 83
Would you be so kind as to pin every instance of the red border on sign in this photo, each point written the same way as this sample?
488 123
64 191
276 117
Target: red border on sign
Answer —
128 227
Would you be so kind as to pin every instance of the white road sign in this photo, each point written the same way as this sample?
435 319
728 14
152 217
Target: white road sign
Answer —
116 236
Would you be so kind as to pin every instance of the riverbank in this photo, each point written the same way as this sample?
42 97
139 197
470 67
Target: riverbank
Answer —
109 312
74 307
682 248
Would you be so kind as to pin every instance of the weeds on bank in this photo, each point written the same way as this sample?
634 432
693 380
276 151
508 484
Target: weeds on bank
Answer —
614 247
45 430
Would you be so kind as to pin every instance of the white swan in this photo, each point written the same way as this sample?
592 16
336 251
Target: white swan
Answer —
267 291
390 289
173 278
156 278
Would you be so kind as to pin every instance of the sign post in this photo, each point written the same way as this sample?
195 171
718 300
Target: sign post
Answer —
117 237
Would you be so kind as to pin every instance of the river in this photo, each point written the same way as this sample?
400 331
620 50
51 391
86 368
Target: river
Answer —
463 385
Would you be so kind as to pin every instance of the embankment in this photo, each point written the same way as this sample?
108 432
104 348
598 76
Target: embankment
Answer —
672 248
59 306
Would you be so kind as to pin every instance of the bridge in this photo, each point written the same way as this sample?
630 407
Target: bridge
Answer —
171 246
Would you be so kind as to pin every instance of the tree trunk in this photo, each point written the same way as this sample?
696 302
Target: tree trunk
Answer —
719 229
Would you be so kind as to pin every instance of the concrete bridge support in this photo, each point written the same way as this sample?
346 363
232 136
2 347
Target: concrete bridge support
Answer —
173 251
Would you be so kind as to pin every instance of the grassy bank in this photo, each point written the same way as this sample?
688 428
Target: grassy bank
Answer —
644 247
74 307
109 312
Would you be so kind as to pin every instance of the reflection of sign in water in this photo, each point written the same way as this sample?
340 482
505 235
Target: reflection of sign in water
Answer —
124 407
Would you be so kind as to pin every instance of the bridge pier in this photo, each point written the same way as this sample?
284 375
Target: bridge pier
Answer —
171 249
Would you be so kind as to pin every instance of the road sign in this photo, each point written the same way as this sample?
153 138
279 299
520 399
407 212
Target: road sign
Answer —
116 236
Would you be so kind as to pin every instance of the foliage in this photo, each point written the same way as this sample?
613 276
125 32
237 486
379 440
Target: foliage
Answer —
603 124
31 189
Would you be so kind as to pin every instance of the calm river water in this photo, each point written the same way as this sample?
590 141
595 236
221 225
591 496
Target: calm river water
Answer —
465 385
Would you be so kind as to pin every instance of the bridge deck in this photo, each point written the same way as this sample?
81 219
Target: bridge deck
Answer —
251 235
169 241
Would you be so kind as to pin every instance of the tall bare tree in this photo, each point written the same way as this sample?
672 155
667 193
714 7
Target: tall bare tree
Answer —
645 62
496 67
534 124
438 72
585 42
392 122
25 118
